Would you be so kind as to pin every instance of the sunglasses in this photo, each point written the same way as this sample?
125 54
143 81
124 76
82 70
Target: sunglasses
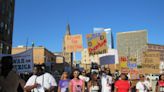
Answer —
76 72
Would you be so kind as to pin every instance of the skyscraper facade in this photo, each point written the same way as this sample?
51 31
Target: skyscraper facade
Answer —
6 25
130 43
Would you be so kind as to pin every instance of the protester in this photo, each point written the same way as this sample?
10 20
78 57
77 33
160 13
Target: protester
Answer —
108 72
63 83
143 85
40 81
160 84
122 85
94 85
9 79
85 78
106 81
76 85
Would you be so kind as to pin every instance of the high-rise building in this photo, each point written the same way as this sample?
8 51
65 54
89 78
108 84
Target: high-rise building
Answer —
6 25
109 35
130 43
67 56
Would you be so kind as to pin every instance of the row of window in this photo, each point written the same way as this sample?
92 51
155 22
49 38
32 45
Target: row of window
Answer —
4 27
4 49
156 47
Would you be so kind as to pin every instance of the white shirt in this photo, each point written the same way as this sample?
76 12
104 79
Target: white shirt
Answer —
142 86
94 89
84 78
46 81
106 82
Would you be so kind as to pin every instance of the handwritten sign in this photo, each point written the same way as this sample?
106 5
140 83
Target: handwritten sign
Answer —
123 62
97 43
73 43
151 62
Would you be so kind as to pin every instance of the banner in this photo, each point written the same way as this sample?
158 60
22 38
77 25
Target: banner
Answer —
73 43
23 62
97 43
151 62
123 62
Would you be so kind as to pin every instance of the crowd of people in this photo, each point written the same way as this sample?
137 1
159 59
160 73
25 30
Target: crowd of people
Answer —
77 81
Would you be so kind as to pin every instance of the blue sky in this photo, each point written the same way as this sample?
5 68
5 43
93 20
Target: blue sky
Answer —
44 21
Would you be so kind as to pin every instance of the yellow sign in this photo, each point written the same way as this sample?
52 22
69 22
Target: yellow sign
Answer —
73 43
123 62
97 43
151 62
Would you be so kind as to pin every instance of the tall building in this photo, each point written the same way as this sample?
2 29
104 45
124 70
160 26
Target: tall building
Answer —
129 44
67 56
109 35
6 25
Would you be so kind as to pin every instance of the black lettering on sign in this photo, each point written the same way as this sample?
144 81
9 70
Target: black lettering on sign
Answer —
22 60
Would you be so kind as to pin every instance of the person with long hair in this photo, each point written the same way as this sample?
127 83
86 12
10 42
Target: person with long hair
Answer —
76 85
63 83
160 84
94 84
122 85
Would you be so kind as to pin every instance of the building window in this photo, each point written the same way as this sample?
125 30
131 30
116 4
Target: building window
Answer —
7 49
5 26
1 47
8 31
1 26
